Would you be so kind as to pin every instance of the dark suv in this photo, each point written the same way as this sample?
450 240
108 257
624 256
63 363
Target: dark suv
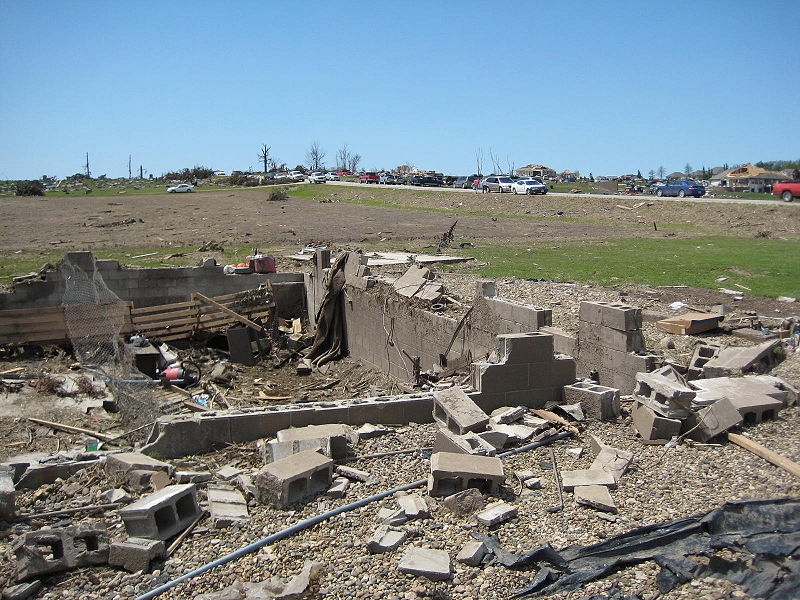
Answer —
465 183
681 188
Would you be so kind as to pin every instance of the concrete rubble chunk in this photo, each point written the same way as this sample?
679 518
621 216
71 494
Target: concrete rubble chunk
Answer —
465 503
468 443
193 476
368 431
457 412
293 479
7 493
666 392
581 477
123 462
136 554
613 461
712 420
596 496
534 483
340 436
115 495
654 427
417 282
597 401
496 513
386 539
146 481
297 585
162 514
515 433
353 474
506 415
738 360
392 517
338 487
47 551
228 472
472 553
496 439
22 591
275 450
245 484
413 506
575 452
452 473
425 562
226 505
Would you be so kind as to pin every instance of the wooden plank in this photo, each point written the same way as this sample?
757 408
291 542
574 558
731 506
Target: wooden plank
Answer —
145 310
228 311
24 338
21 313
71 429
170 314
765 453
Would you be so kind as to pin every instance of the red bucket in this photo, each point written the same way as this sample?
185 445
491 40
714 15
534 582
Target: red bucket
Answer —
261 264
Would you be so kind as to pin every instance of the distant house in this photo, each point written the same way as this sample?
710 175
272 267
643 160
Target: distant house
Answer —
568 177
535 171
747 178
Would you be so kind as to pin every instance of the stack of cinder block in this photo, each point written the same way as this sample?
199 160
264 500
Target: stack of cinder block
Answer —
610 341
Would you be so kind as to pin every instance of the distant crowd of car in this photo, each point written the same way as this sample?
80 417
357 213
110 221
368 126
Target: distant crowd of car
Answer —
486 184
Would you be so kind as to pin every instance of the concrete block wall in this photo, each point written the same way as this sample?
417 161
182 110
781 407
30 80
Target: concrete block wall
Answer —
149 287
610 341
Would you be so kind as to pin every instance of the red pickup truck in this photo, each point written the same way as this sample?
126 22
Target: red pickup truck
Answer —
787 190
368 178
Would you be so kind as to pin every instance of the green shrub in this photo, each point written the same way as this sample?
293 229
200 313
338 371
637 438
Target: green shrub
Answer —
278 195
30 188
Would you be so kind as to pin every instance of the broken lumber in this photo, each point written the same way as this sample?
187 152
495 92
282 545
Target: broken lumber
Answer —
69 428
69 511
765 453
227 311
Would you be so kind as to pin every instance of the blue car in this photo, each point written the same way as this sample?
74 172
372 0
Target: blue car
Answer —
681 188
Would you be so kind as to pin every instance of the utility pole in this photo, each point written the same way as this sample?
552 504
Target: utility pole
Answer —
88 173
129 166
141 172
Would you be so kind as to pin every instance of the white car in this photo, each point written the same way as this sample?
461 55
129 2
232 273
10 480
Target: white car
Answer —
528 186
316 177
297 176
180 188
332 177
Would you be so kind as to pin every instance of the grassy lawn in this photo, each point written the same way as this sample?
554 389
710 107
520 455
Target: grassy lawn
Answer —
768 267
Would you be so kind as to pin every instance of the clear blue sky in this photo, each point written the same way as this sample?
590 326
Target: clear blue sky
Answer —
606 87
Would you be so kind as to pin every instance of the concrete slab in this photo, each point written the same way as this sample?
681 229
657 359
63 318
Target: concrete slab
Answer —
613 461
596 496
386 539
425 562
472 553
583 477
457 412
496 513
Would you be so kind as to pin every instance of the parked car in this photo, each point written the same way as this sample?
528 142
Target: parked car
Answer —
465 183
343 172
681 188
787 190
368 177
496 184
181 188
426 180
297 176
528 186
316 177
389 179
332 177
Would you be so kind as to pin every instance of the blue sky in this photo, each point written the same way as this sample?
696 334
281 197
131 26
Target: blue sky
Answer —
601 87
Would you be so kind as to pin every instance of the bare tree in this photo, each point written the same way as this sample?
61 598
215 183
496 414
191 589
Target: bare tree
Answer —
479 161
687 169
343 157
651 174
661 171
496 169
129 167
264 157
315 157
355 160
510 165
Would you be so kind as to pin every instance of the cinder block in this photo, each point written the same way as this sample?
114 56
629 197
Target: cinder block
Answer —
451 473
498 378
123 462
7 493
272 451
735 361
48 551
558 372
614 315
712 420
340 436
135 554
163 514
598 402
456 411
226 505
653 427
293 479
425 562
621 341
521 348
469 443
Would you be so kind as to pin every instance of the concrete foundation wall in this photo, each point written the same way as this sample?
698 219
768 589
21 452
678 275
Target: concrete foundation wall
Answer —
149 287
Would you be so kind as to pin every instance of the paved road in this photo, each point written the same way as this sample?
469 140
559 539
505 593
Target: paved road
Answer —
636 198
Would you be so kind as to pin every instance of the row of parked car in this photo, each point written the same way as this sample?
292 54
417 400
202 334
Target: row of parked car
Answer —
492 183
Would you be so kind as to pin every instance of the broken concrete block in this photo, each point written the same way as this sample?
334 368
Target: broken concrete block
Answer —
654 427
417 282
115 495
228 472
701 355
135 554
293 479
613 461
192 476
666 392
245 484
413 506
352 474
341 436
146 481
472 553
516 433
48 551
506 415
534 483
750 359
425 562
392 517
452 473
338 487
712 420
297 586
386 539
575 452
162 514
596 496
469 443
457 412
7 493
597 401
496 439
226 505
495 513
123 462
274 450
465 502
368 431
33 474
579 477
22 591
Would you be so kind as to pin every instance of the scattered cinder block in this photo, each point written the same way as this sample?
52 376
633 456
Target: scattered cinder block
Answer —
457 412
596 496
515 433
353 474
392 517
162 514
472 553
506 415
386 539
226 505
47 551
613 461
245 484
116 495
580 477
338 487
135 554
293 479
665 391
7 493
758 408
193 476
227 473
496 439
22 591
712 420
452 473
465 502
123 462
425 562
597 401
468 443
654 427
275 450
340 436
735 361
413 506
495 513
146 481
701 355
